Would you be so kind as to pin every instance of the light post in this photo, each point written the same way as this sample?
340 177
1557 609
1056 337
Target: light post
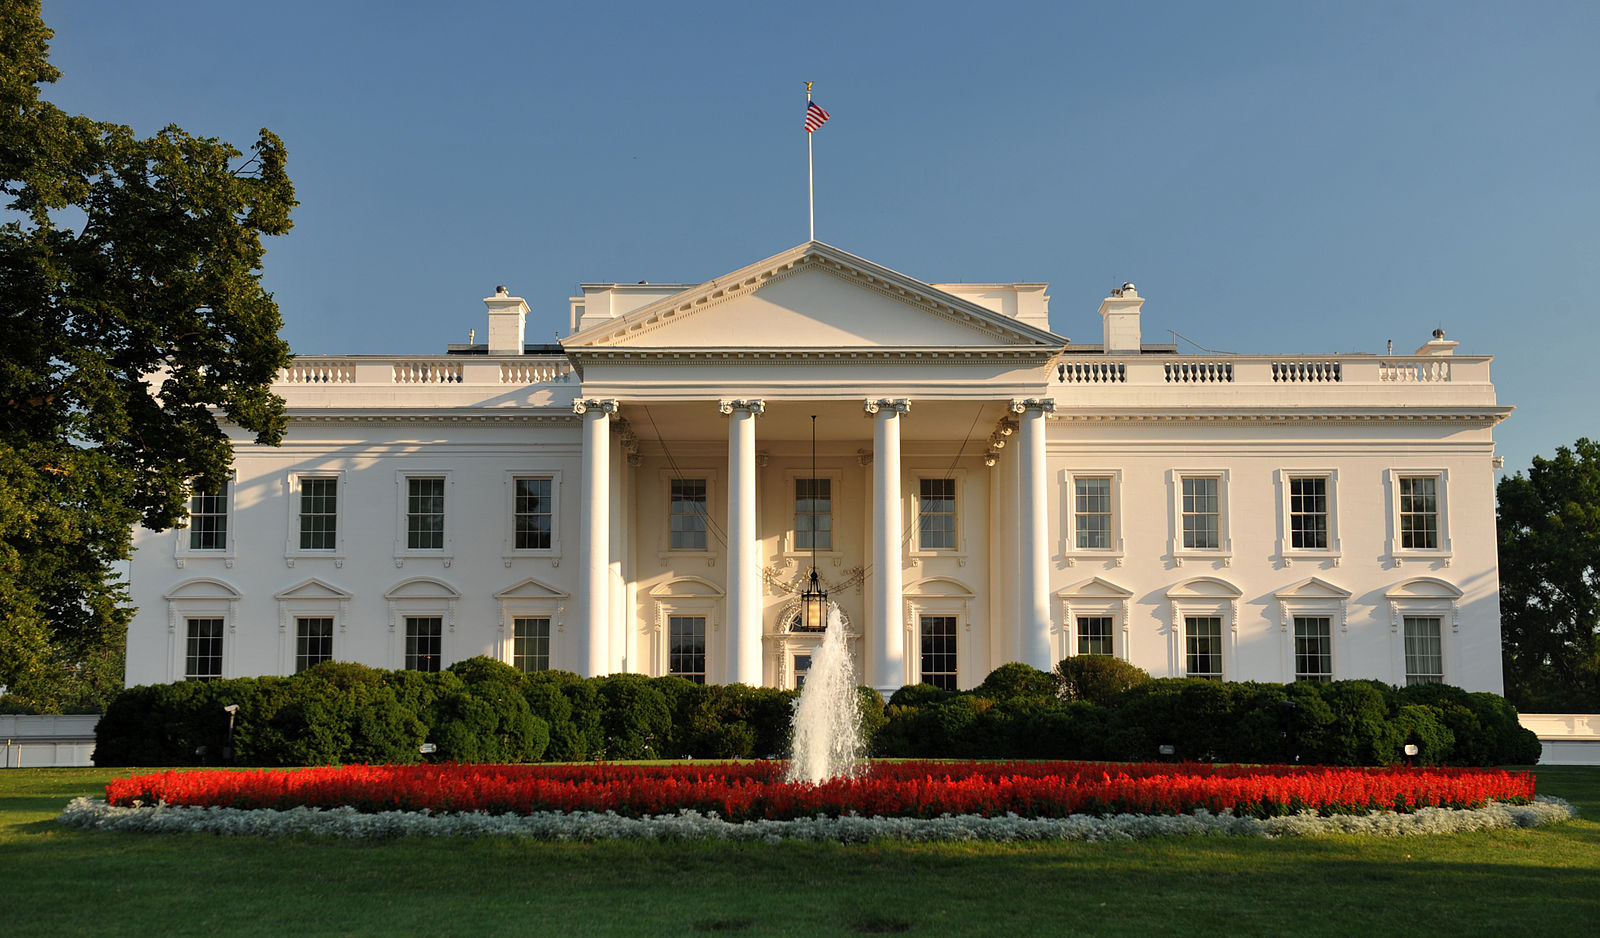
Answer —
227 749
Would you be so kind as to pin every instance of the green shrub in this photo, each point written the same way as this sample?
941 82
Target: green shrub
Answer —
1361 732
634 717
918 695
1424 726
1014 680
1097 679
874 716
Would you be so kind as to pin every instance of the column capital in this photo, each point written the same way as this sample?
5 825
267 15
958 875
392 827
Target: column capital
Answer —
605 405
894 405
754 406
1044 405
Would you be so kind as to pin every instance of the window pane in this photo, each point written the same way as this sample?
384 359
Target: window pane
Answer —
534 510
1308 513
208 520
1092 513
1203 640
939 651
1313 649
688 518
1424 652
1202 514
686 647
203 656
425 514
1094 635
313 641
936 514
1419 513
813 514
423 639
530 642
319 512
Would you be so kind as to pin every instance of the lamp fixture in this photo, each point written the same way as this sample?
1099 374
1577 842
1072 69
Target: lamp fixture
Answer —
813 599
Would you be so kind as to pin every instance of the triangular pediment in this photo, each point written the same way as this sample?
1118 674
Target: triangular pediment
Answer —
312 589
813 296
1094 588
1313 588
530 589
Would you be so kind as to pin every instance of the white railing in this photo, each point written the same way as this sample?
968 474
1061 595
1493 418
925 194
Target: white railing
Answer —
316 371
320 371
534 372
1414 370
1300 371
1199 372
1092 372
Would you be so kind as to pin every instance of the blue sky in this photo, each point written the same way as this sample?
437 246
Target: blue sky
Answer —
1276 177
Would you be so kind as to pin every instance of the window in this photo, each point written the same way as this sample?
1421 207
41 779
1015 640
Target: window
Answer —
1094 635
319 514
936 515
939 651
813 514
424 514
1419 512
1091 512
1308 512
203 658
423 640
686 647
1313 648
534 510
802 667
1424 653
1203 646
688 517
1202 513
313 642
208 519
530 643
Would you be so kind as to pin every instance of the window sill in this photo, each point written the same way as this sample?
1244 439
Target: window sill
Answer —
1074 557
337 556
1180 556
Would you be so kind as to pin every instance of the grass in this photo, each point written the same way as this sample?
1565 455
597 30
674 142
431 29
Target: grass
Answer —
66 882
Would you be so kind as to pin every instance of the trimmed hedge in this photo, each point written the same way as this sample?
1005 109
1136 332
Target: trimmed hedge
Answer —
478 710
1107 709
482 710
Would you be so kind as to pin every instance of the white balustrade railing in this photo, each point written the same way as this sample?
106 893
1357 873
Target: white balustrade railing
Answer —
1092 372
1199 372
1300 371
1414 370
320 371
534 372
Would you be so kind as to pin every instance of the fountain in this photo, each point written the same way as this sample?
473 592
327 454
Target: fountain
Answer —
827 737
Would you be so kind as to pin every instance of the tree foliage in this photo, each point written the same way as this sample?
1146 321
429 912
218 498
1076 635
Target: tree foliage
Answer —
1550 581
132 311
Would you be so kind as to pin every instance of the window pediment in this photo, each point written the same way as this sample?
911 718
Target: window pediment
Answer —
1312 588
1204 587
1424 587
686 587
1094 588
312 588
422 588
531 589
203 588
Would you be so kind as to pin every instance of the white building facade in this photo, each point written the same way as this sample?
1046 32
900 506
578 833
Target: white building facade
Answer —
647 498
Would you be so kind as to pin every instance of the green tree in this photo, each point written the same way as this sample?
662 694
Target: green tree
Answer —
132 311
1550 581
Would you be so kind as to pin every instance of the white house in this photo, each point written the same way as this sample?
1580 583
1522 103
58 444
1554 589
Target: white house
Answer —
642 498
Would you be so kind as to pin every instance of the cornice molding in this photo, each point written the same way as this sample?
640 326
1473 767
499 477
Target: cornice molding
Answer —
424 417
1009 355
1484 418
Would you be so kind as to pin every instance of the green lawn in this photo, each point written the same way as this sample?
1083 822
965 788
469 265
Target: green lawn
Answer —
64 882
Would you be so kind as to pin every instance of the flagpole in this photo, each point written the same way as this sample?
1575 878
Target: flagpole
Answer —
811 189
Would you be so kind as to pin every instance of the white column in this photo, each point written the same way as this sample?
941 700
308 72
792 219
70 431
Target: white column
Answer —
592 638
886 652
744 551
1033 507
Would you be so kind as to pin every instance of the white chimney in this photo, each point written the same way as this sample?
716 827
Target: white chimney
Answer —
1439 346
506 316
1119 316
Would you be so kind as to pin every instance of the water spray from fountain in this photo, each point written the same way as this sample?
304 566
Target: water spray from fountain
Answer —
827 735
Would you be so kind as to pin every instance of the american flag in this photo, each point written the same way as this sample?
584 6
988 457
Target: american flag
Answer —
815 116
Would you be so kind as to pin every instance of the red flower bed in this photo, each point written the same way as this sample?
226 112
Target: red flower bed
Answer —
751 790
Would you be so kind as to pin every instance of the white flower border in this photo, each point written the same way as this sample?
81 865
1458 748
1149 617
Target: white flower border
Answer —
347 822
